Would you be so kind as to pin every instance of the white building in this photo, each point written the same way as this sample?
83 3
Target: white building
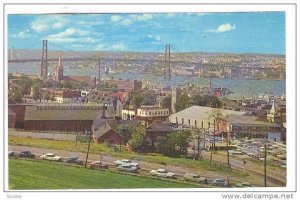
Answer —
195 115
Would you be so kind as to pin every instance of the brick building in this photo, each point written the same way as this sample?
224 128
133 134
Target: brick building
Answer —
61 118
126 85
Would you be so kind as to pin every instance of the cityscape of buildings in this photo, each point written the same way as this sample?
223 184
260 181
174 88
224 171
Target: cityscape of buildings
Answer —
146 116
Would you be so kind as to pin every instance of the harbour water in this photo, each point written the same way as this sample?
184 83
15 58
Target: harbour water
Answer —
240 87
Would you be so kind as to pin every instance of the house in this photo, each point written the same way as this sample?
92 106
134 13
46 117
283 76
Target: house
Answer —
251 127
151 114
112 131
155 130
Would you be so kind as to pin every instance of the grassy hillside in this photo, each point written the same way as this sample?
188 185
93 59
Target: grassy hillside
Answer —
198 165
32 175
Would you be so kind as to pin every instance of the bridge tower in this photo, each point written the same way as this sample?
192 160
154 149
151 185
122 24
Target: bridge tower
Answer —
167 62
44 63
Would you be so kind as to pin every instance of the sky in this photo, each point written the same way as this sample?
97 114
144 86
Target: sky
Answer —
248 32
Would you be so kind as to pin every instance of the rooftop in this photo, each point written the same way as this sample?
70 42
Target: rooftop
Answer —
202 112
31 113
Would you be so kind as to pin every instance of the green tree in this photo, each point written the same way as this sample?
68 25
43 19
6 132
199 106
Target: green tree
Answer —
137 100
184 101
25 85
137 134
46 95
123 131
36 92
16 97
174 144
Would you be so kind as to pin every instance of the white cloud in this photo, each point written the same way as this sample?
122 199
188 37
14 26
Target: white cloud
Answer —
144 17
85 40
223 28
155 37
115 18
90 23
197 14
170 15
126 22
58 25
38 26
22 34
69 32
47 22
118 46
100 47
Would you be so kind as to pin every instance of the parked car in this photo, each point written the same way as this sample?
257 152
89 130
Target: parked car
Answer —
98 165
51 156
243 184
11 153
74 160
195 178
26 154
127 168
220 182
127 162
162 173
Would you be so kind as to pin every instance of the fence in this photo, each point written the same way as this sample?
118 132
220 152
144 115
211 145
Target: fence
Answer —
49 136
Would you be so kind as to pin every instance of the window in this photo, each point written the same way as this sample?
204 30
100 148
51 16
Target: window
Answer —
189 122
149 112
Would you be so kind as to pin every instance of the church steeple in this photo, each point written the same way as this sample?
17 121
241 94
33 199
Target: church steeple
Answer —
273 110
59 69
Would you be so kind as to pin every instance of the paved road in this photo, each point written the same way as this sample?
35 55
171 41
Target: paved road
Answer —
255 176
274 177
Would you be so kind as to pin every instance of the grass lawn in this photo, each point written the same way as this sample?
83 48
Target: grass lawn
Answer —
34 175
200 166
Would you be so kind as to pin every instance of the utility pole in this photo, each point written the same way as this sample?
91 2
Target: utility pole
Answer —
265 165
76 139
228 163
212 148
198 145
88 151
214 135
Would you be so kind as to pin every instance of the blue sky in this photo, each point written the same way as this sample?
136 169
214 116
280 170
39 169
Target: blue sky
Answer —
257 32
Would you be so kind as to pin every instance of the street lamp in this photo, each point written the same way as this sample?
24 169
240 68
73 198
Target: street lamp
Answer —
265 162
